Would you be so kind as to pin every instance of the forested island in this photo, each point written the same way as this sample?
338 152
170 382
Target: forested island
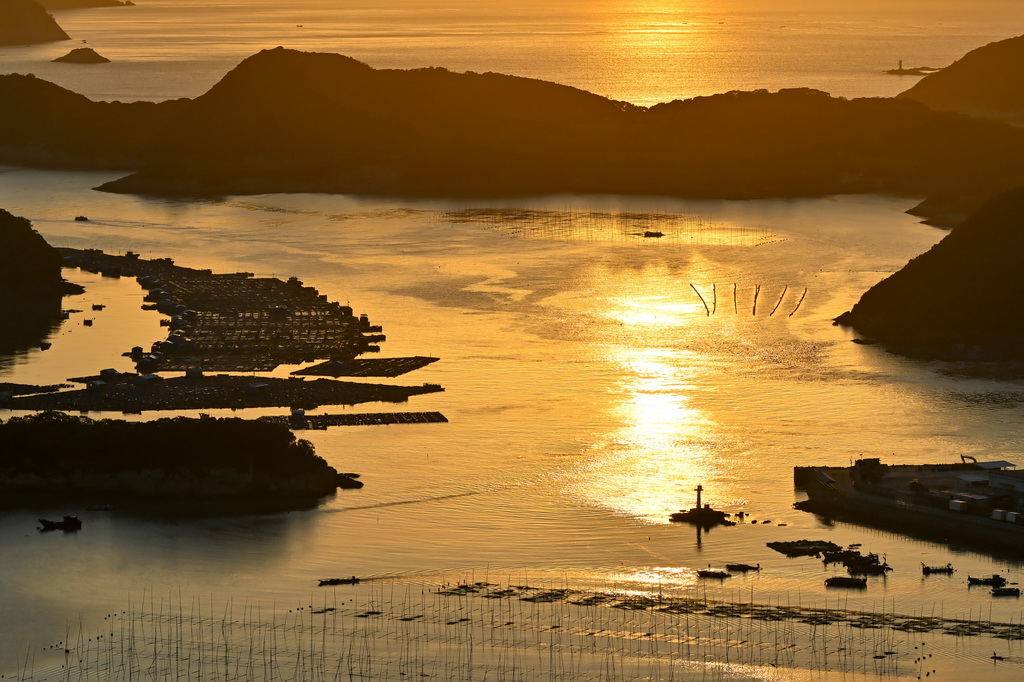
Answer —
289 121
206 458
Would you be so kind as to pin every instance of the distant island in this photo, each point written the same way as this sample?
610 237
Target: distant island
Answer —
290 121
83 55
963 299
912 70
206 458
26 22
334 124
31 286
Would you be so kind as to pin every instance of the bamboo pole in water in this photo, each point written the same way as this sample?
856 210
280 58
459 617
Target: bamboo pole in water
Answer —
798 303
782 296
706 309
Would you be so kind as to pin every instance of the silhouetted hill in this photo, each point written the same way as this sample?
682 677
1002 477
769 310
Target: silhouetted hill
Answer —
962 298
31 286
25 22
292 121
287 121
45 125
984 82
83 55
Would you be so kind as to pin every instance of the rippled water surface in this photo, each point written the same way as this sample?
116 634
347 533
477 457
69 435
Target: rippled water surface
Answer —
593 377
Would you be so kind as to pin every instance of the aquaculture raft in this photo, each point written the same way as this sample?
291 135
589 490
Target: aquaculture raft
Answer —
234 322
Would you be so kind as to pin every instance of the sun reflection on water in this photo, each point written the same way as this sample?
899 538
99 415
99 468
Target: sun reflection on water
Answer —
663 446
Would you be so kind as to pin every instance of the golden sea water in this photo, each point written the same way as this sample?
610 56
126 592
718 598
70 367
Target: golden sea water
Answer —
588 388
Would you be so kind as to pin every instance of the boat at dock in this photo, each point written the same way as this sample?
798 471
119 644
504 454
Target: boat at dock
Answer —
932 570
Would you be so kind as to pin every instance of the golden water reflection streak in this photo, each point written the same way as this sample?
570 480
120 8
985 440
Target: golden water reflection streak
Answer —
663 447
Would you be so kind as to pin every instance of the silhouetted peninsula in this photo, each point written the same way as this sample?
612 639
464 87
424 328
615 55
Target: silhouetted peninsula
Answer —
204 458
984 82
964 298
31 286
83 55
26 22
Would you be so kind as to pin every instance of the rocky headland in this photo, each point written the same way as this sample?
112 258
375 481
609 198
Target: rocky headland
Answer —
984 82
206 458
31 286
962 299
26 22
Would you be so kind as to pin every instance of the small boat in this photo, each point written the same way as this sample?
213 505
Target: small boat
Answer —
81 218
67 523
929 570
713 573
742 568
339 581
653 234
804 547
846 581
1005 591
994 581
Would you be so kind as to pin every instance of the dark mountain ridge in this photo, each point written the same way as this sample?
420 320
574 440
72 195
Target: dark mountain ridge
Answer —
292 121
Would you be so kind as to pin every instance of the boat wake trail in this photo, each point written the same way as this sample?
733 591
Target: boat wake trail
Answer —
397 503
